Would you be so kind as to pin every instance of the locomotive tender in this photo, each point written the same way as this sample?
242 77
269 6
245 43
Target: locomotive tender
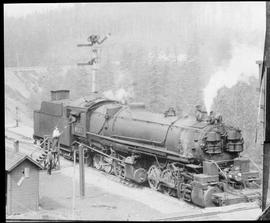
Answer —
196 159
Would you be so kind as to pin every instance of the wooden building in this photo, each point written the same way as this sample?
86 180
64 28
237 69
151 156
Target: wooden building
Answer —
22 182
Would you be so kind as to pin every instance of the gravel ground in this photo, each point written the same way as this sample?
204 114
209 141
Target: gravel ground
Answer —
155 200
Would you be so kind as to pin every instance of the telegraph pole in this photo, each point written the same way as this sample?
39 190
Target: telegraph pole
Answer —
17 116
94 58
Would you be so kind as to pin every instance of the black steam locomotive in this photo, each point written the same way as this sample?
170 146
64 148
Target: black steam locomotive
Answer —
196 158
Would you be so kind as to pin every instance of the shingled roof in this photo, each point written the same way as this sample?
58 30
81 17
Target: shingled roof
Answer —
13 159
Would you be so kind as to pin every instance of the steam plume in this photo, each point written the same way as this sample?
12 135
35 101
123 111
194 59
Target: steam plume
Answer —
121 95
241 66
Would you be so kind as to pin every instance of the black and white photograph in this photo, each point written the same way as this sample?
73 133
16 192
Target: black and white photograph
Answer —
137 111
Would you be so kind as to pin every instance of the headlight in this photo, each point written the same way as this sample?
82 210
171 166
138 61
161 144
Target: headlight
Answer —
230 176
238 176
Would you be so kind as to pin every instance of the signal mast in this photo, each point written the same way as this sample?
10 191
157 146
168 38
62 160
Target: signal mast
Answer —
94 56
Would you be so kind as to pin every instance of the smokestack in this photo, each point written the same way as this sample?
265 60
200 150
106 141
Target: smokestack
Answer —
59 95
16 146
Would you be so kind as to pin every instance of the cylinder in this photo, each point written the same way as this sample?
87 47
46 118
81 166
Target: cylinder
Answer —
140 175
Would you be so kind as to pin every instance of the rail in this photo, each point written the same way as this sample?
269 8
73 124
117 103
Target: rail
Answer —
36 148
203 215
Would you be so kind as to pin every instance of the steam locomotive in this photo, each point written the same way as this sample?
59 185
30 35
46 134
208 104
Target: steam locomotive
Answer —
196 159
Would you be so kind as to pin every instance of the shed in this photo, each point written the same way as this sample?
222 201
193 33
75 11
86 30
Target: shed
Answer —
22 182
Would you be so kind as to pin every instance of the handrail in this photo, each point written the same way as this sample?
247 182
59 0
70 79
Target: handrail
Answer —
219 169
46 138
253 162
79 143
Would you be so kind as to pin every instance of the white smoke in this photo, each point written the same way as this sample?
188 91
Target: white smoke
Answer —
121 95
241 66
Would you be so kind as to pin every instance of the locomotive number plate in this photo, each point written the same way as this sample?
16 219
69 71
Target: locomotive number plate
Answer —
78 130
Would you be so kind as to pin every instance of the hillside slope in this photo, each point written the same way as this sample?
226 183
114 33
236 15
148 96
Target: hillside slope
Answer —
20 84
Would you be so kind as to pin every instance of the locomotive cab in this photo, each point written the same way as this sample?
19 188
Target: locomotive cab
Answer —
77 118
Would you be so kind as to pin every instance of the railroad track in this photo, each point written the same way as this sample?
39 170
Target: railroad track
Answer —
14 139
209 214
18 134
109 176
114 178
26 144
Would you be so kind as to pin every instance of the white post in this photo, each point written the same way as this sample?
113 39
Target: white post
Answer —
93 80
94 68
74 185
17 116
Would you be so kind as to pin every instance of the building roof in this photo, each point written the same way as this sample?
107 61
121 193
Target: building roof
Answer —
13 159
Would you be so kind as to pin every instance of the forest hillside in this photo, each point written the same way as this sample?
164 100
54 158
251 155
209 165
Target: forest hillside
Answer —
164 55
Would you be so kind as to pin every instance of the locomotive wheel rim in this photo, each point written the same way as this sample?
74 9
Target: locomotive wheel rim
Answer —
208 196
179 193
97 161
168 191
166 175
107 167
153 177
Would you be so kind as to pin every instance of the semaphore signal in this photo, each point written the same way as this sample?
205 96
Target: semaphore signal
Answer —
93 40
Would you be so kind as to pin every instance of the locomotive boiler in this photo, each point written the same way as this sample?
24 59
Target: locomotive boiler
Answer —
196 159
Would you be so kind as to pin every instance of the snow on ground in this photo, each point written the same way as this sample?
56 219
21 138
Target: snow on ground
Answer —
37 215
26 148
231 212
20 84
252 214
21 130
168 206
153 199
24 135
15 82
10 112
